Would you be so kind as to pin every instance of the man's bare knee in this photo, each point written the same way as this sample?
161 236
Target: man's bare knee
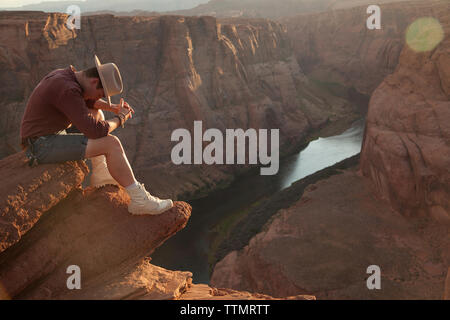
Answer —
114 143
104 146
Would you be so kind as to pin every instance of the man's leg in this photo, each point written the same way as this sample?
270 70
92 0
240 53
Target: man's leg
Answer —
142 202
118 164
100 173
117 161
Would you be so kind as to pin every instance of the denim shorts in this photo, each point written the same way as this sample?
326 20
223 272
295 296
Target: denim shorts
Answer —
57 148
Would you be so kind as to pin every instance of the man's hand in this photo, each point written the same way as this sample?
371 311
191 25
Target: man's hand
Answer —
123 107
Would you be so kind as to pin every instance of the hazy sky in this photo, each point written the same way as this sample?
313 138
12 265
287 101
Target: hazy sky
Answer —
18 3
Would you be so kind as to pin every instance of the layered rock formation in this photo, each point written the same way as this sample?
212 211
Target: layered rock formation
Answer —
49 223
240 74
70 226
27 194
338 50
406 149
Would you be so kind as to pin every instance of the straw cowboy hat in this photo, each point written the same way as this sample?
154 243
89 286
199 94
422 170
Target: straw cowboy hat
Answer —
110 77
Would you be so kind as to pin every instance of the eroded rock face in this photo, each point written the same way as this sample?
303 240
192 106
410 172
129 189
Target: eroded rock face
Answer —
337 49
406 149
91 229
27 193
205 292
142 282
49 223
150 282
324 243
240 74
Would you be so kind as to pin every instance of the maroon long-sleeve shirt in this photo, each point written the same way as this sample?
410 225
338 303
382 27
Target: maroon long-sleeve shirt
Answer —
55 103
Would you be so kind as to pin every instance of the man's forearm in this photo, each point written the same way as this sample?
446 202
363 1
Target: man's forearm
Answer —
102 104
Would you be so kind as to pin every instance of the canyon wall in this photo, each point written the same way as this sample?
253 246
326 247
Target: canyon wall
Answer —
175 70
336 48
406 148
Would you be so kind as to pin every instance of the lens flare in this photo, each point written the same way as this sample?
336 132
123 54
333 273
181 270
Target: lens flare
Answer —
424 34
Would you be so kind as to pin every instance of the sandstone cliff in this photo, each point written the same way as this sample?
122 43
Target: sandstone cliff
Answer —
48 223
175 70
338 50
406 149
323 244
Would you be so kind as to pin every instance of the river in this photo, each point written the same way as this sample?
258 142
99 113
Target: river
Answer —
189 249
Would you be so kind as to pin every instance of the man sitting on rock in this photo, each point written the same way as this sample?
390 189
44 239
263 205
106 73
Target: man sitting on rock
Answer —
67 97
